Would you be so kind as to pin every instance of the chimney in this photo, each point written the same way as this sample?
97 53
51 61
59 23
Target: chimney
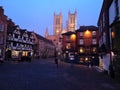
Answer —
1 10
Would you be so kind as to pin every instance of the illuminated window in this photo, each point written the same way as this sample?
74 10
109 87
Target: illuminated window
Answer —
68 46
15 54
86 59
94 41
113 34
94 33
24 53
81 42
81 50
94 49
81 33
57 31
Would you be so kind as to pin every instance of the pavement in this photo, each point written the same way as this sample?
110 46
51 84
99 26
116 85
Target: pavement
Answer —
44 74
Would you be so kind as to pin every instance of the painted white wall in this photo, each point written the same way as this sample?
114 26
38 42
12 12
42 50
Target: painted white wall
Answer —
106 62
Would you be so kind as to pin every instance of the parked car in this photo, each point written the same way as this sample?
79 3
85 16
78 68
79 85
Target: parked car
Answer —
71 56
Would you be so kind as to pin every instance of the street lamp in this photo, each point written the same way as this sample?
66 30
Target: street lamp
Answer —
87 34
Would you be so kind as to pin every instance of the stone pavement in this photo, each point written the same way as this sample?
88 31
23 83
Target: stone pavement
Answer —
44 75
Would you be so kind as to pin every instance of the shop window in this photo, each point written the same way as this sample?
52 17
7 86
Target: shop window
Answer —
15 54
24 53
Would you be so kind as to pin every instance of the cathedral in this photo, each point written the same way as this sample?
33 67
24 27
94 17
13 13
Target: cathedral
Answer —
71 25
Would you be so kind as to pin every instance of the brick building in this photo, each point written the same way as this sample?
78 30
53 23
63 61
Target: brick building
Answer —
83 42
43 48
114 23
3 32
87 44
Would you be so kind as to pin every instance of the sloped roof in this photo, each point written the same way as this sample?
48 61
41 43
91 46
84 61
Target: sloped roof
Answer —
43 38
83 28
68 33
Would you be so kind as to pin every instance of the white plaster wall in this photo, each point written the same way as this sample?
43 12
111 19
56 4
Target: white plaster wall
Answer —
106 62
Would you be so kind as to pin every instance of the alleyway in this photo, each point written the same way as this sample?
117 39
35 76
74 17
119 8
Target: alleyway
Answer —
44 75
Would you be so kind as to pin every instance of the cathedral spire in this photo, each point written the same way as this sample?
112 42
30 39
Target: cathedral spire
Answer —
46 33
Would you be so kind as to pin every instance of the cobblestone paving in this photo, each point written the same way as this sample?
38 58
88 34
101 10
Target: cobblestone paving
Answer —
44 75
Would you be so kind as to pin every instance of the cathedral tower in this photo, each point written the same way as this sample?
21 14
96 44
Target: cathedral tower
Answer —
58 24
71 24
46 33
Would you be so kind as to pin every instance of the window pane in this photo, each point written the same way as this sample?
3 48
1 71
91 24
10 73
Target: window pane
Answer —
94 41
93 33
81 41
81 33
81 50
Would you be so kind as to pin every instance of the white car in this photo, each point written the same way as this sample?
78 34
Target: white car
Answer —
71 56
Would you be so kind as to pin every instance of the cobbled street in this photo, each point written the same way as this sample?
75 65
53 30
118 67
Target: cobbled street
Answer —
44 75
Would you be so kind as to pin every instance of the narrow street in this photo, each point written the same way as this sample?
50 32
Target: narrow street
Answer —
44 75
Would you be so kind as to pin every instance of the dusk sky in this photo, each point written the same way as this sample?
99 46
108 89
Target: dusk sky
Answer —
37 15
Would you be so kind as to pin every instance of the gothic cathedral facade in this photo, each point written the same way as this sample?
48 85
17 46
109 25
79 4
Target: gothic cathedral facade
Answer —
71 25
57 24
